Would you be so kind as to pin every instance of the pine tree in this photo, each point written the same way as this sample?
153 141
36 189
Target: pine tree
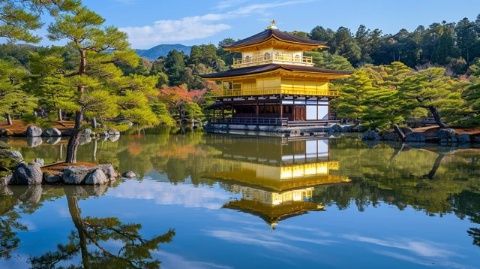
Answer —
13 100
97 48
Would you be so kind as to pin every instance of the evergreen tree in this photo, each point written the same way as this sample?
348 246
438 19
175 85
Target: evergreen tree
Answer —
96 49
13 100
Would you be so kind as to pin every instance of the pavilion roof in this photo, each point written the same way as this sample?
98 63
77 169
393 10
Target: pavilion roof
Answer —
273 34
258 69
274 213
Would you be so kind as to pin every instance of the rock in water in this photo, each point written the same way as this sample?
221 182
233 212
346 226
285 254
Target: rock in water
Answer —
74 174
371 136
447 135
109 171
129 174
24 174
463 139
52 178
96 177
416 137
52 132
34 131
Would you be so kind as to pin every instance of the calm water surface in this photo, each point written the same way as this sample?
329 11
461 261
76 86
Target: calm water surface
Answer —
204 201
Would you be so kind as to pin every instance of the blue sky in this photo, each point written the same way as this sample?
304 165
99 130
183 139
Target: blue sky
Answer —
152 22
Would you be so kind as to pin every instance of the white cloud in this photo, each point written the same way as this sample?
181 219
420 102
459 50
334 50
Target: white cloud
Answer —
170 260
197 27
164 193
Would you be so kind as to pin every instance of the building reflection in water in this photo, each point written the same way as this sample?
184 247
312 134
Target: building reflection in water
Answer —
275 177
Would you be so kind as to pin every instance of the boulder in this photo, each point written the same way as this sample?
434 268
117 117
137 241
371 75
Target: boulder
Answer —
390 136
416 138
113 132
371 136
447 135
52 132
109 171
113 138
74 175
51 178
27 174
463 138
34 131
96 177
86 132
34 142
129 174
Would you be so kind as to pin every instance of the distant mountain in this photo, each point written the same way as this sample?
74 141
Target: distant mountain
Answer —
162 50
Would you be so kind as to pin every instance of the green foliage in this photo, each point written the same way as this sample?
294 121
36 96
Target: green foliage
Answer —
13 100
381 96
326 60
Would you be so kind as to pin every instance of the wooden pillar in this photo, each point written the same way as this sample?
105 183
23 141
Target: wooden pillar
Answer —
256 109
281 110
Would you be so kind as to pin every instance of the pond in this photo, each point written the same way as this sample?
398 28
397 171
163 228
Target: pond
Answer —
211 201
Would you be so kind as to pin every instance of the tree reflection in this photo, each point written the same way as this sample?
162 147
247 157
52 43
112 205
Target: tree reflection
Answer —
103 243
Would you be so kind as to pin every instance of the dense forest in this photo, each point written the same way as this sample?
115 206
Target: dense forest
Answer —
96 78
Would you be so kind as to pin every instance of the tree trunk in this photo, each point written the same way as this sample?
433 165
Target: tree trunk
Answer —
9 119
59 115
95 146
435 166
75 213
399 132
74 140
437 117
94 123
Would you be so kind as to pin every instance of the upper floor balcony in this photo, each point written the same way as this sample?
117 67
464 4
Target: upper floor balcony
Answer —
268 58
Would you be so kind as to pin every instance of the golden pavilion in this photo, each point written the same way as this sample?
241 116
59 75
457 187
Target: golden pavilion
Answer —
273 86
275 178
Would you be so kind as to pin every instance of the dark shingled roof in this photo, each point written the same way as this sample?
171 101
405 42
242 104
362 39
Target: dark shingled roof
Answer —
269 33
270 67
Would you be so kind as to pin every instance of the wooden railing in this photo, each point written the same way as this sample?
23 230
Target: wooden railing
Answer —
252 121
271 121
277 91
275 58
